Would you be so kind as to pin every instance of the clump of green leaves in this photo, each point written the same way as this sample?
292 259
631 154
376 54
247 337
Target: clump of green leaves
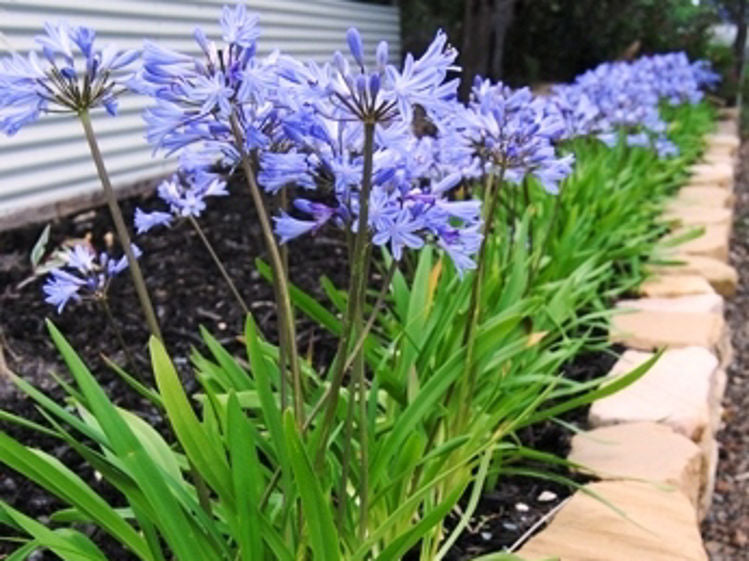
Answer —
242 478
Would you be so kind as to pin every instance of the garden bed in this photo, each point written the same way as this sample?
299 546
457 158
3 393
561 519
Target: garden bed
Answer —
188 293
429 414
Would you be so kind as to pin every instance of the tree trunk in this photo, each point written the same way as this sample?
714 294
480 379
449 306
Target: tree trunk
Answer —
739 48
503 15
477 32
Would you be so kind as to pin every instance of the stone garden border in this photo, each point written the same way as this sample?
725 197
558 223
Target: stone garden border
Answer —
652 446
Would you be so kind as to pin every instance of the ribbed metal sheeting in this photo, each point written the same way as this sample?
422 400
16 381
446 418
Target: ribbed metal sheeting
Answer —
48 162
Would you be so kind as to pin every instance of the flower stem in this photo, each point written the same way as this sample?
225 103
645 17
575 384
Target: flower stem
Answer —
219 264
543 246
129 359
359 266
491 196
357 346
283 204
287 334
119 224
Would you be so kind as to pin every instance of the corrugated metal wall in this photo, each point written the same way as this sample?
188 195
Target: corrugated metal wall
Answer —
47 163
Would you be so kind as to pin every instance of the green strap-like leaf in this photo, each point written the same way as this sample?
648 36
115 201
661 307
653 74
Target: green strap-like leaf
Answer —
203 450
316 508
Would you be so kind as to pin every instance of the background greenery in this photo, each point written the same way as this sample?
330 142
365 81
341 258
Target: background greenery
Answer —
554 40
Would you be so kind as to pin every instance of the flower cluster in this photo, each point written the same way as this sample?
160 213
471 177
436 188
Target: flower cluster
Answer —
305 124
183 196
84 275
339 131
325 111
514 132
68 75
197 98
622 98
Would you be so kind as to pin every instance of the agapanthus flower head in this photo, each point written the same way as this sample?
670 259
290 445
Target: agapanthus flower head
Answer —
196 98
84 275
68 74
576 110
379 94
184 195
513 133
326 110
409 204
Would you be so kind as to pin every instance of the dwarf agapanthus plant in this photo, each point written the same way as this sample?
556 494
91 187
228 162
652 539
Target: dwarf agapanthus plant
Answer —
512 135
70 75
217 109
621 99
354 149
87 276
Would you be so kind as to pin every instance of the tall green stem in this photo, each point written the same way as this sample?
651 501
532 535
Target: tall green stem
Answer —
542 247
527 203
356 348
491 196
130 361
359 266
219 264
119 225
283 203
285 310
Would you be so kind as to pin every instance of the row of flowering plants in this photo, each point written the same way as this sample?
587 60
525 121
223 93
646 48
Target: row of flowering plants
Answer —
499 228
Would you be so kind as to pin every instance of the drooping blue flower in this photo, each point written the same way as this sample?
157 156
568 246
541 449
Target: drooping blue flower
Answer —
84 275
287 227
53 81
61 287
278 170
184 195
399 230
146 221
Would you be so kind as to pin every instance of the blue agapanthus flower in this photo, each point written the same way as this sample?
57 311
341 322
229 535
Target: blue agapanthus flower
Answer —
621 99
322 114
196 98
85 275
184 196
67 74
513 133
381 93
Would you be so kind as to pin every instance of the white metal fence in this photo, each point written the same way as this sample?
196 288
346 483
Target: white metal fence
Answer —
45 168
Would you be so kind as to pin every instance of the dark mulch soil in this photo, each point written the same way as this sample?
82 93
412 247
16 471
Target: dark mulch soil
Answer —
188 292
726 529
